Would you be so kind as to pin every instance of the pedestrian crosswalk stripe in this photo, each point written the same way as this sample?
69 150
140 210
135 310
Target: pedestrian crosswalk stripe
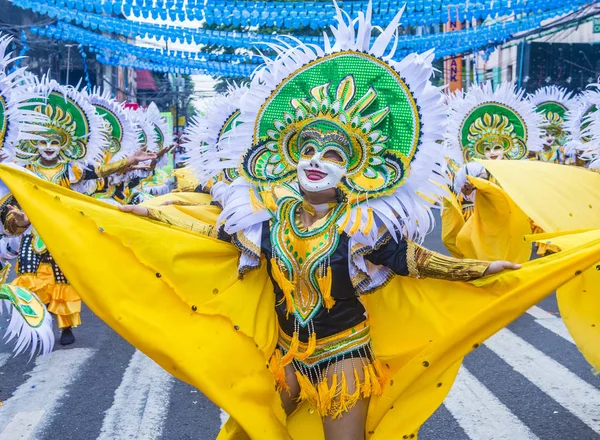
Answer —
44 388
140 402
139 397
553 323
22 425
224 417
480 414
576 395
4 357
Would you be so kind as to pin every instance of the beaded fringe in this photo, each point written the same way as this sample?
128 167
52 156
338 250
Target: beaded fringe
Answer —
331 397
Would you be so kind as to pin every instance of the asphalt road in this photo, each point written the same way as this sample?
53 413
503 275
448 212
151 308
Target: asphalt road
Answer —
527 382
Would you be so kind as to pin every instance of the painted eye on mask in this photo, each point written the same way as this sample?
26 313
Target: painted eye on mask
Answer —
308 151
334 156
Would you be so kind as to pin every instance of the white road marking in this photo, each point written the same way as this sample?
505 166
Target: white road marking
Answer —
224 417
553 323
42 391
141 402
480 414
22 425
558 382
4 357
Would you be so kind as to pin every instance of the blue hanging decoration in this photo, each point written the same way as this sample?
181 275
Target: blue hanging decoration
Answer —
88 83
524 16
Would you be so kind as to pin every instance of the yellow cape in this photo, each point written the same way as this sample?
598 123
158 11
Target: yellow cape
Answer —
495 230
576 191
176 296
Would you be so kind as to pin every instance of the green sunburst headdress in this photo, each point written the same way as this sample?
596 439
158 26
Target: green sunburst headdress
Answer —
122 140
553 104
353 90
17 123
482 119
204 136
71 120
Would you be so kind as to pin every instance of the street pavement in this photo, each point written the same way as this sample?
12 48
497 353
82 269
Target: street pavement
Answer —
528 381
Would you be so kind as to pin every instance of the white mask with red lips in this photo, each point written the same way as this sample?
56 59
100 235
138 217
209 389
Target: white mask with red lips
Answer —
320 167
49 149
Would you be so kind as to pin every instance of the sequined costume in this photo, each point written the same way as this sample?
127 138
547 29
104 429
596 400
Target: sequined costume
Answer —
79 131
553 104
485 124
29 324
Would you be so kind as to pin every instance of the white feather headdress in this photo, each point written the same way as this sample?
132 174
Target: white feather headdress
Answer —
406 210
582 124
114 112
502 113
18 123
146 135
203 137
67 110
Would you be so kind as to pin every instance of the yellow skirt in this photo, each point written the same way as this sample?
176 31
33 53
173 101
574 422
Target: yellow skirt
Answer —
61 299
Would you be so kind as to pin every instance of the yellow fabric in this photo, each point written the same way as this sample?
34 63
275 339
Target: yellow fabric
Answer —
576 192
452 222
579 301
186 179
180 301
61 299
555 197
495 230
187 207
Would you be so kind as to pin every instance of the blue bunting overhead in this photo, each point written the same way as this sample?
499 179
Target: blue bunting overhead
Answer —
174 61
313 14
113 51
175 34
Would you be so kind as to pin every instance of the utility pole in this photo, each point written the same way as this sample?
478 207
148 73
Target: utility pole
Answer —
68 46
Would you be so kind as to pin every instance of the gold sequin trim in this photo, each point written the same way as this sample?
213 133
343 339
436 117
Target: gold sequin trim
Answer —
433 265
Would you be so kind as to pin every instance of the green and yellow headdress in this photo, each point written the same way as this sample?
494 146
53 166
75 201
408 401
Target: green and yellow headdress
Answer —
71 120
553 104
122 135
483 119
352 91
16 122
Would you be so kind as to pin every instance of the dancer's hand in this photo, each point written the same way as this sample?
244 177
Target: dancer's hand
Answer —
141 155
20 217
499 266
142 211
467 188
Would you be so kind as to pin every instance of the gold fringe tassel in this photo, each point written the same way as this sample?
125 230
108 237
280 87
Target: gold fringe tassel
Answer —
286 285
357 223
310 349
366 386
324 283
292 352
268 200
370 219
336 399
308 392
348 214
278 369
